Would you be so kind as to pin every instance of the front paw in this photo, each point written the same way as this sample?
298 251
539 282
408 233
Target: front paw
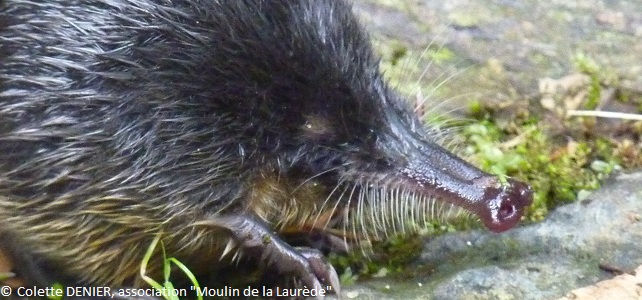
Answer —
305 264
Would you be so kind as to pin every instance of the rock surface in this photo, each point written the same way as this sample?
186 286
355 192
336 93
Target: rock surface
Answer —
501 49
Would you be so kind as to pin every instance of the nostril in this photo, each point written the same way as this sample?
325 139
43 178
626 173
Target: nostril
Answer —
506 210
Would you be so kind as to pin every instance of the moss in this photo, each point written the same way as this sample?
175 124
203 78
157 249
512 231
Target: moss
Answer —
557 171
383 258
588 66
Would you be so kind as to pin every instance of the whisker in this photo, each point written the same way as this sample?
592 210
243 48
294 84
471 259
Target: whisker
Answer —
320 210
334 208
423 54
347 215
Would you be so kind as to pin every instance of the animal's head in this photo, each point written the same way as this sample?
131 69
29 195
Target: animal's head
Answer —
340 148
331 144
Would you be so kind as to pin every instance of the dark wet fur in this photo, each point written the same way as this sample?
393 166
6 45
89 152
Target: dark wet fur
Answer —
121 119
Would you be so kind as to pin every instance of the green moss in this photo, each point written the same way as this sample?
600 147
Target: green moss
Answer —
383 258
557 171
588 66
440 55
397 53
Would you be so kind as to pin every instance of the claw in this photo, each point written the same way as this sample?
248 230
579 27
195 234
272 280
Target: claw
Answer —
323 270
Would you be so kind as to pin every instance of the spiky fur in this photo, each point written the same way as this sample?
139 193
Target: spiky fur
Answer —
120 119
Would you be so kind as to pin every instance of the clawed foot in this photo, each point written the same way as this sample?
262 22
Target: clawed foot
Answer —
306 264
